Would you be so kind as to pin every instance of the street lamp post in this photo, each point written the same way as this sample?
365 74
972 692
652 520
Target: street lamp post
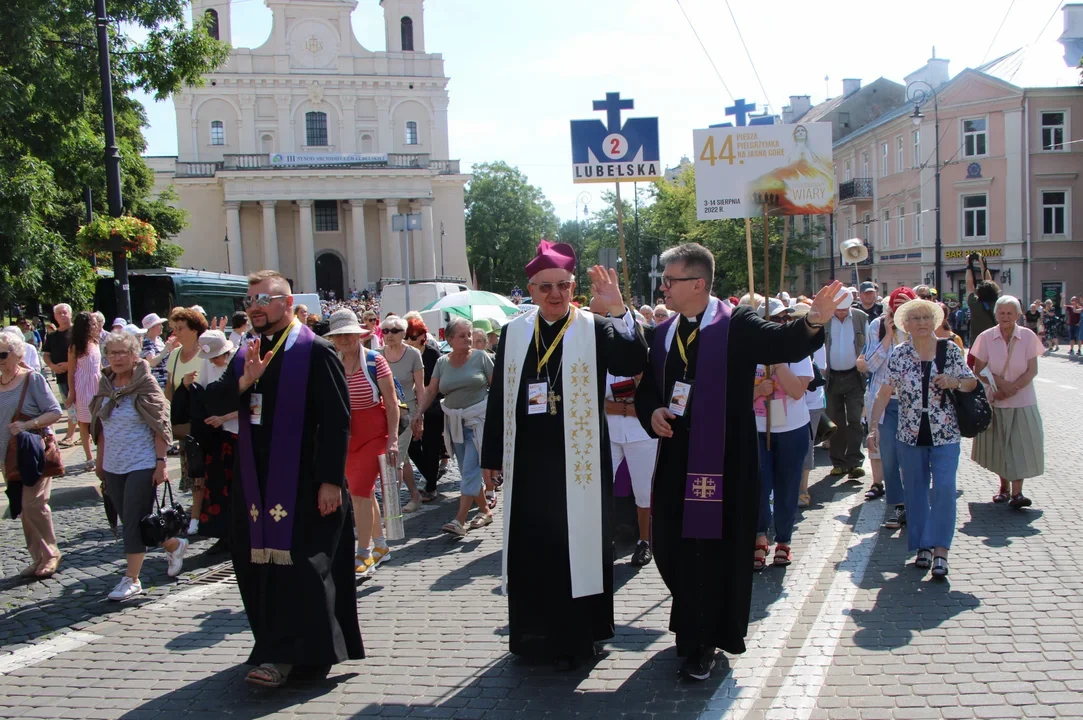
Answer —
442 234
112 158
578 228
919 98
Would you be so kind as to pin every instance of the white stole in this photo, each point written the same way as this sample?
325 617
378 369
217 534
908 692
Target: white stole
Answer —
578 388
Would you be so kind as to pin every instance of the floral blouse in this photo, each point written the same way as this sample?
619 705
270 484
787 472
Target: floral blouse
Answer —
904 374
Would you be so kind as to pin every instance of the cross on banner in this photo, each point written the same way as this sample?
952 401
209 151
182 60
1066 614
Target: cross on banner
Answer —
612 105
739 108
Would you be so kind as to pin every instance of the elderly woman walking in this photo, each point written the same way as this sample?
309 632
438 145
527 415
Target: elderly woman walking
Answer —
183 366
408 369
131 424
85 356
928 435
463 376
374 421
27 405
1013 446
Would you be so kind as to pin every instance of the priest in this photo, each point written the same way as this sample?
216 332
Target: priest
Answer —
697 397
545 428
292 537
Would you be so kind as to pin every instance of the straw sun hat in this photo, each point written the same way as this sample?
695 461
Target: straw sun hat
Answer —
908 307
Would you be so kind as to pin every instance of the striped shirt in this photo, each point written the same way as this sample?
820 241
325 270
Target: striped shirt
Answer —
361 395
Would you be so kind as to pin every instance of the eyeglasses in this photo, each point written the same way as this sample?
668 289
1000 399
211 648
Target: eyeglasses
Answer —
263 300
919 318
414 338
547 287
368 320
667 281
118 353
925 297
393 332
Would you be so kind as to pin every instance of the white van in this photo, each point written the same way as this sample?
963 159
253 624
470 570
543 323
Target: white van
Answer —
393 300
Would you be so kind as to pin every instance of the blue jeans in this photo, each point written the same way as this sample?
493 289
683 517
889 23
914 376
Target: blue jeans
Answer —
889 455
930 513
466 454
780 471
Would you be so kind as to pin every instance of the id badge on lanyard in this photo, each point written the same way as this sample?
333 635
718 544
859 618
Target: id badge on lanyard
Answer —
537 394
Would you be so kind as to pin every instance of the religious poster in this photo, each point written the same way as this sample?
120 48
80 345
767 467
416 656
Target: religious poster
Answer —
786 169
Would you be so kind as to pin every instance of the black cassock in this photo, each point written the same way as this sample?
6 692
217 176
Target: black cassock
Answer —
305 613
711 580
544 620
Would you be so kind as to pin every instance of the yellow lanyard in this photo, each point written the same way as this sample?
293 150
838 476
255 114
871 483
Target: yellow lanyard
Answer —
281 340
537 339
680 346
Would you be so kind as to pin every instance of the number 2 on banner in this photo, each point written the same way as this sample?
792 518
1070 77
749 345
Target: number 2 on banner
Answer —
725 154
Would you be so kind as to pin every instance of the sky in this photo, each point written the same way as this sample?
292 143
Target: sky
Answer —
520 70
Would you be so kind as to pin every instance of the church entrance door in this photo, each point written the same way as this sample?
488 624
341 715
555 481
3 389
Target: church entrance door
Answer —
329 274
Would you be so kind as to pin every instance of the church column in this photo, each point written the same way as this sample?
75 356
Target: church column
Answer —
357 248
270 236
428 244
285 123
306 249
348 136
233 234
246 127
389 242
384 138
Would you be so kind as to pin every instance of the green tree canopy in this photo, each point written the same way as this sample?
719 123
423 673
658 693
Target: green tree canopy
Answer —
52 143
505 218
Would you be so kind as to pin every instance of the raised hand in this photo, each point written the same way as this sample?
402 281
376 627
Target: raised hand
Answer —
824 304
606 289
254 365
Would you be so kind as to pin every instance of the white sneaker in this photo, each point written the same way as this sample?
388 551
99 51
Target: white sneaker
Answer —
193 527
176 558
126 588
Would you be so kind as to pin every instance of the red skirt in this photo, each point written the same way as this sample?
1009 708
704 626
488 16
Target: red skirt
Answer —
368 441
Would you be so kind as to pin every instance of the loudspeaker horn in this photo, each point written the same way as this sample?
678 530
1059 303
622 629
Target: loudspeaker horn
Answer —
853 251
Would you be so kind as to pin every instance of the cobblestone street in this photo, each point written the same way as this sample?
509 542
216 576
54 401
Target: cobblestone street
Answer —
847 631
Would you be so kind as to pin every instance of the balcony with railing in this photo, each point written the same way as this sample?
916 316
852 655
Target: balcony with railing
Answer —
261 162
855 190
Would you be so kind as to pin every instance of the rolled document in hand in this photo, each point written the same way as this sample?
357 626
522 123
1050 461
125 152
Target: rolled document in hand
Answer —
389 479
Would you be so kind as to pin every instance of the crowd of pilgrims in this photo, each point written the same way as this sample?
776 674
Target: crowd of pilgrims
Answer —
713 410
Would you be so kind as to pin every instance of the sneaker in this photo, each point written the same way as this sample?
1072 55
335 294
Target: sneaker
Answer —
856 472
642 556
193 527
381 554
176 558
896 519
837 471
126 588
698 665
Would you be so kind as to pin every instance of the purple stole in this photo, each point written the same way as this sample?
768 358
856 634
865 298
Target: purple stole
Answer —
270 531
707 445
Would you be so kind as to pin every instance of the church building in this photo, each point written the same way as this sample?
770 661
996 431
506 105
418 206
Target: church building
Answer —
296 155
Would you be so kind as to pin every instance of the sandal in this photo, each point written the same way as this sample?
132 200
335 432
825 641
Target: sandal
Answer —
49 569
1002 496
454 528
924 559
876 490
804 500
940 567
783 555
481 521
759 563
490 499
1019 501
268 675
66 444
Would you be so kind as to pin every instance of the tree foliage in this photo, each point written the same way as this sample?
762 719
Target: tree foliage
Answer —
52 145
505 218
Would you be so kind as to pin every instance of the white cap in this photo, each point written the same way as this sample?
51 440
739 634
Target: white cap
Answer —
845 298
133 329
151 320
119 321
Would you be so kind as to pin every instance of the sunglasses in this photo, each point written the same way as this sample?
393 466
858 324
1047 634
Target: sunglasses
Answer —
925 297
547 287
263 300
4 355
393 332
414 338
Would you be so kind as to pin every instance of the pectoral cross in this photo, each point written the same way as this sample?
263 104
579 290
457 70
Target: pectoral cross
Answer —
278 512
553 400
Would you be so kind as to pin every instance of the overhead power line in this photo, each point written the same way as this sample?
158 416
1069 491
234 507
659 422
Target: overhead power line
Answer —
749 54
709 59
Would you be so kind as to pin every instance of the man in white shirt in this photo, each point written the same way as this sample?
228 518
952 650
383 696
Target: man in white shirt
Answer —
846 387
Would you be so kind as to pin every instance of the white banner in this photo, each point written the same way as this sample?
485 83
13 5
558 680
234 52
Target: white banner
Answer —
293 159
742 170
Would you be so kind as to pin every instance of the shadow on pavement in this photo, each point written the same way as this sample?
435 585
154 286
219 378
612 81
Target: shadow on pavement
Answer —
998 524
217 626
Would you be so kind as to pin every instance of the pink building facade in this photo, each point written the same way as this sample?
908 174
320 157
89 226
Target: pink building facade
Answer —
1010 171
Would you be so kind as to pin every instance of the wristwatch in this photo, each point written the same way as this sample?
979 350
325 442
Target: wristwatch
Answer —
811 325
160 460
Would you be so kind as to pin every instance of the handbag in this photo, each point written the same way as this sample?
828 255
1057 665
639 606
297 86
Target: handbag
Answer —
972 409
54 464
163 523
196 457
825 429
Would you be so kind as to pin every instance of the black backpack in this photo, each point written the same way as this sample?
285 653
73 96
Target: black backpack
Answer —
971 408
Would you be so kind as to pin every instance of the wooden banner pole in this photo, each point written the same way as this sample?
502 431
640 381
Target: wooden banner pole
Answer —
751 279
768 371
623 252
785 239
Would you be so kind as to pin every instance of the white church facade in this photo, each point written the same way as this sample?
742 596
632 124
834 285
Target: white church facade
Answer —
295 155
